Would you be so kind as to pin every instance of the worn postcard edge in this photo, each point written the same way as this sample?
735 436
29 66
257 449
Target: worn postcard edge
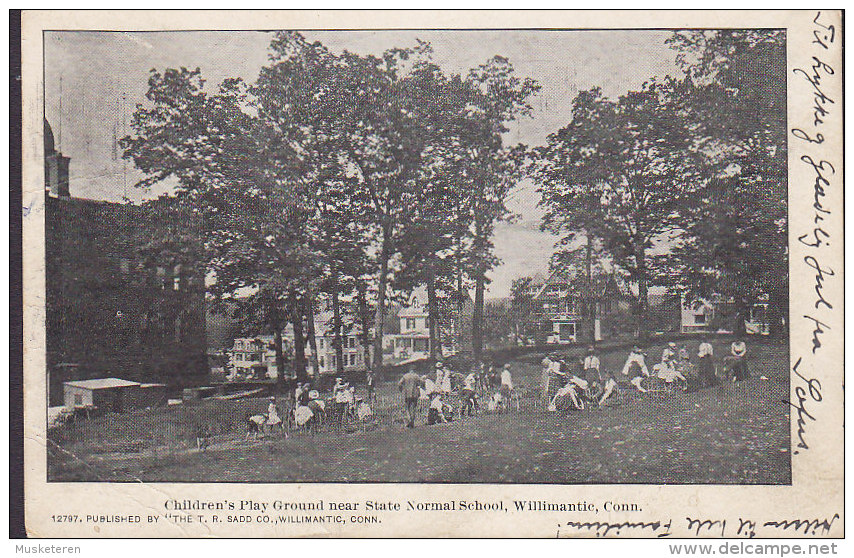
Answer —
816 492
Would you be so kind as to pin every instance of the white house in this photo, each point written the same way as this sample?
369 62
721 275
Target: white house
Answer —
351 344
699 316
255 356
453 322
413 341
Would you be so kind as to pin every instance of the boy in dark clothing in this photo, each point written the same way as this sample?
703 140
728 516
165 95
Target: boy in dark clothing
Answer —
410 387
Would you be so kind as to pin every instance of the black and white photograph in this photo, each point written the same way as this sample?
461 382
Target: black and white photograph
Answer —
503 256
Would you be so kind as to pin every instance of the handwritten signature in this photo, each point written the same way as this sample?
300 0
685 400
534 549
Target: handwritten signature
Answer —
603 529
813 388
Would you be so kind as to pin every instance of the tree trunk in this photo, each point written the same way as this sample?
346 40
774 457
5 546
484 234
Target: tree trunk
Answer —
379 315
364 319
589 299
280 359
299 339
308 303
742 313
277 340
432 312
480 285
777 315
477 319
643 295
336 326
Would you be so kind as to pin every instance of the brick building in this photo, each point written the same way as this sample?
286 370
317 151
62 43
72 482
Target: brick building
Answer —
109 310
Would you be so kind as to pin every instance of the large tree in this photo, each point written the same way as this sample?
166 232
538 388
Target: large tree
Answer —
620 171
211 149
735 238
493 168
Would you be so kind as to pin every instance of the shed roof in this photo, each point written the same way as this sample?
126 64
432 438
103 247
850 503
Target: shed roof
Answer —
101 383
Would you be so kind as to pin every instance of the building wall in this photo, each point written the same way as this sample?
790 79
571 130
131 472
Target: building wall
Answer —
353 353
77 397
110 311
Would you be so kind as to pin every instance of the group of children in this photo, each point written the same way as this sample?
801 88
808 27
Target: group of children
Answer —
587 382
481 380
567 385
306 410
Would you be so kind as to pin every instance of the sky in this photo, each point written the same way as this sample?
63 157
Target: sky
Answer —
93 81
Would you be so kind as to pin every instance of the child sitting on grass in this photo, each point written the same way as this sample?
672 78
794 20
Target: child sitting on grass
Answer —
439 412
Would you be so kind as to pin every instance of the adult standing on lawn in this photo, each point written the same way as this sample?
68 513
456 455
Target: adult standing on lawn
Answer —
706 366
440 374
551 373
410 387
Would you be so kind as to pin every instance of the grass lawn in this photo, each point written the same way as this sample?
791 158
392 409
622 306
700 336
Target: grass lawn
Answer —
732 434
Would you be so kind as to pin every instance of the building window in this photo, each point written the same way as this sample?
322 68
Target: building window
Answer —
410 323
320 362
699 318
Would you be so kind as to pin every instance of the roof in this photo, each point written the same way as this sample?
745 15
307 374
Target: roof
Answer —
101 383
411 312
573 280
409 335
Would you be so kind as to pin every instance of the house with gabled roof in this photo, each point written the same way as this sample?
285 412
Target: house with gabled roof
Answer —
558 304
412 341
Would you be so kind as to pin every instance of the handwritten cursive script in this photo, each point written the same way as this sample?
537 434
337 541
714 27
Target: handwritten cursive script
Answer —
811 391
603 529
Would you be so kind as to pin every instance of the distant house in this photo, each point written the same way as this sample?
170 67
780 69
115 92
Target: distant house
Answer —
412 341
717 314
353 352
254 356
558 305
